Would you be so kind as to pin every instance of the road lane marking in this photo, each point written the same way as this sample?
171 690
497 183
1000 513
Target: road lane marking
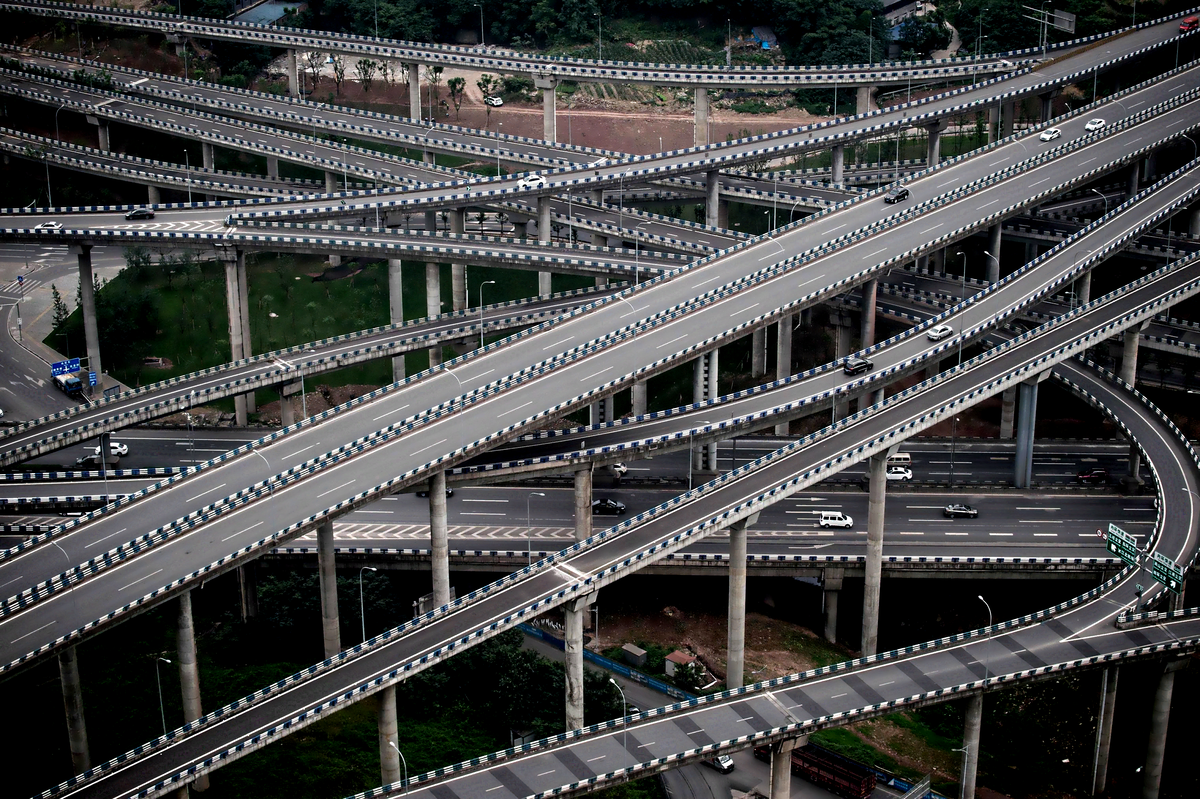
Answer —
431 446
305 449
555 344
747 308
105 538
514 410
481 374
872 255
239 532
595 374
672 341
209 491
138 580
38 630
337 488
389 413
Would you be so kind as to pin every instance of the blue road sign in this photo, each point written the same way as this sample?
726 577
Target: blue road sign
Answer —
64 367
91 378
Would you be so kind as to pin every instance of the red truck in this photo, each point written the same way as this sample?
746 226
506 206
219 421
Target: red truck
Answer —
831 771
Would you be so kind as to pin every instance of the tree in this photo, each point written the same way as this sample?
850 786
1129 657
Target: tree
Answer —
60 309
339 71
456 87
312 62
433 76
365 68
487 84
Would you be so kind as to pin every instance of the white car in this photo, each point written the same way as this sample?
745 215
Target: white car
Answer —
1094 124
940 332
531 182
114 448
493 101
898 473
48 226
835 518
1050 134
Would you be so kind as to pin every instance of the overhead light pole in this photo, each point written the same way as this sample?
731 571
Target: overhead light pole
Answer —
962 322
402 760
637 266
528 526
624 720
989 610
481 41
481 285
158 678
362 613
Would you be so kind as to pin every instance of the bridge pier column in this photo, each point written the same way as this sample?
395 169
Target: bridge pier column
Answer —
712 199
583 503
1129 354
704 387
573 650
1083 288
293 76
439 546
433 294
248 585
544 233
389 758
396 308
603 410
937 261
1104 726
923 263
327 571
639 398
287 409
1007 118
758 352
783 360
832 588
458 272
933 152
736 636
1133 481
72 690
993 249
153 197
547 85
1156 743
870 291
1031 251
1026 421
993 126
700 117
414 90
235 298
862 99
330 182
189 671
207 153
1047 105
971 725
877 485
87 294
103 136
781 766
842 334
272 166
1194 223
1131 187
837 165
1008 409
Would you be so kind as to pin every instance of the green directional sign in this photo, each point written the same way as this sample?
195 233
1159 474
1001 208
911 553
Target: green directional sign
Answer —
1166 572
1122 544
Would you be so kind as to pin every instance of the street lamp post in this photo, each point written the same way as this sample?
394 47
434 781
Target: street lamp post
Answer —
528 531
362 612
637 265
481 41
989 609
962 321
498 133
187 166
16 305
691 449
962 770
775 203
158 678
953 439
403 762
481 285
57 135
624 720
1102 197
599 35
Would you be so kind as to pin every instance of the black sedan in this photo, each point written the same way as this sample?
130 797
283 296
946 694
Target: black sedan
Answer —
896 194
856 366
1096 475
140 213
607 507
958 510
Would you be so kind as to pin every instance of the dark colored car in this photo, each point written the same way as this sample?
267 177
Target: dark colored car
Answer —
425 493
607 507
895 194
856 366
1096 474
957 510
140 213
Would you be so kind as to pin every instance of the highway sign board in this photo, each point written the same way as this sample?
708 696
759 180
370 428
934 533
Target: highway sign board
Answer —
64 367
1166 572
91 378
1122 544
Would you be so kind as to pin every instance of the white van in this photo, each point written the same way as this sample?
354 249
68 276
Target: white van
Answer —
900 459
835 518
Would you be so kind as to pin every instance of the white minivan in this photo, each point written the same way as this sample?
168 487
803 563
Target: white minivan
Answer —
900 459
835 518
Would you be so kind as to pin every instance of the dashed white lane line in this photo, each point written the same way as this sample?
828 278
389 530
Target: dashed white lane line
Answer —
138 580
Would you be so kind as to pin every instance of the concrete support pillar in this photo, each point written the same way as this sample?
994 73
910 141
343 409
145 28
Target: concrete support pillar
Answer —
1007 117
327 570
331 182
206 152
700 117
781 766
870 290
1026 420
458 272
1047 103
937 261
1083 288
248 583
1156 743
547 85
544 233
293 76
736 637
287 408
758 352
414 91
1131 187
1133 478
704 387
389 758
1104 727
993 126
832 587
1194 223
1008 409
1129 355
838 154
971 726
783 359
583 503
862 99
601 282
993 263
877 484
189 671
72 690
639 400
573 650
91 334
433 305
712 199
272 166
235 271
396 308
243 285
153 197
842 337
439 546
933 153
103 139
1031 251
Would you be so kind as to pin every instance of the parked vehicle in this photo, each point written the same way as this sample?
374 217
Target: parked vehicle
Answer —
958 510
493 101
607 507
820 766
70 385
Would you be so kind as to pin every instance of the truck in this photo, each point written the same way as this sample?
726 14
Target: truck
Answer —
830 770
70 385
